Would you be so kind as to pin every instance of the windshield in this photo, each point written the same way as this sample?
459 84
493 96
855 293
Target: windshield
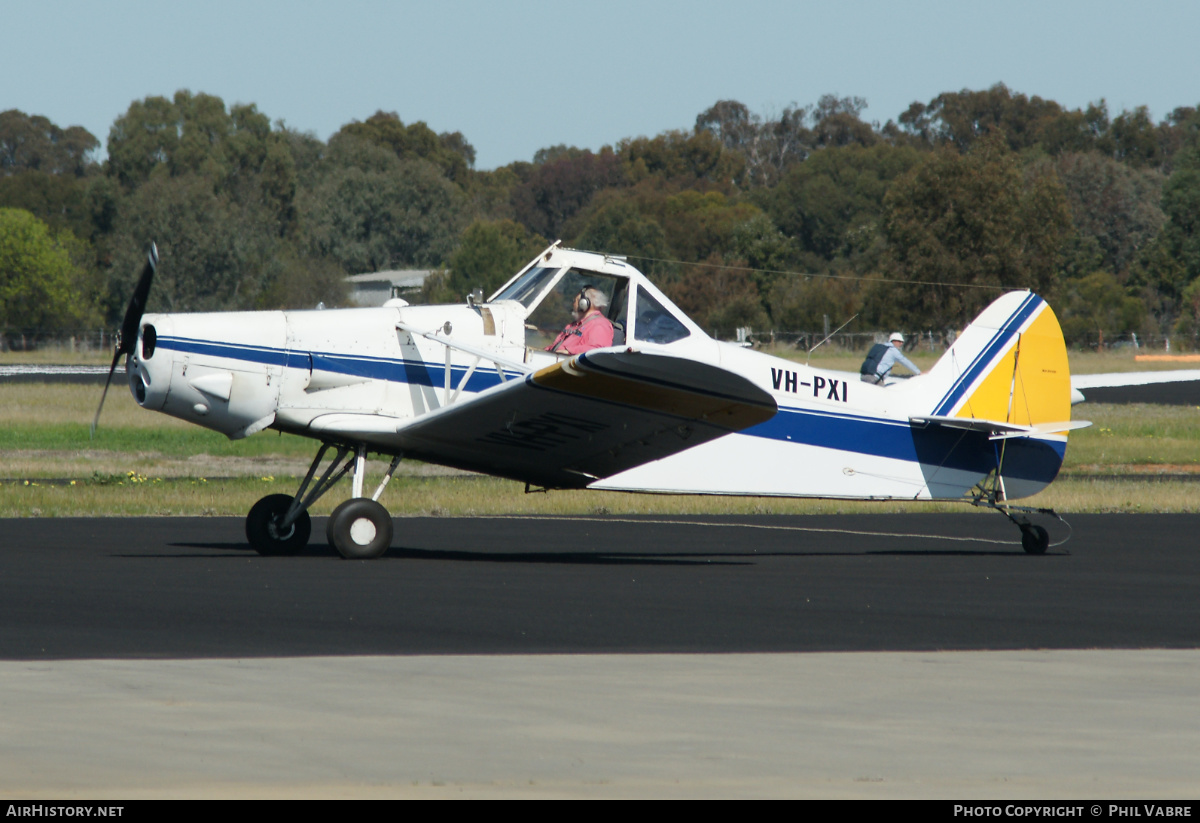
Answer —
528 286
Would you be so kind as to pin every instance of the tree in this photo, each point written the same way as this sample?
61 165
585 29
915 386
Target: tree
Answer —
381 213
681 160
33 143
191 134
963 117
1113 203
557 188
617 225
767 146
39 284
1095 306
959 228
213 250
450 152
1170 263
61 201
836 193
491 251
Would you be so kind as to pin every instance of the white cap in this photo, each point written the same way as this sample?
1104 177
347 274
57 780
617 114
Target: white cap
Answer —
896 337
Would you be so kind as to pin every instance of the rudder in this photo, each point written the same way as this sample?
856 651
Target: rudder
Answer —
1010 365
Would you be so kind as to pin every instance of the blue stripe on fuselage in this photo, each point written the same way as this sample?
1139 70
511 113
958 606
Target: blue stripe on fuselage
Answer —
417 372
935 445
1026 458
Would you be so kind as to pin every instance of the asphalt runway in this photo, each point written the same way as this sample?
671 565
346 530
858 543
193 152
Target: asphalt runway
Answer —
192 588
603 657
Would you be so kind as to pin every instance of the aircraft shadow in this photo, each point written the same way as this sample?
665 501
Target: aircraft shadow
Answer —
603 558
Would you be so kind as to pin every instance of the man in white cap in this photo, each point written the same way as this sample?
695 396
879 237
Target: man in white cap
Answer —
881 359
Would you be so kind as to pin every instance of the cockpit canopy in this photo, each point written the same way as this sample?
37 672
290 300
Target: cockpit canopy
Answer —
547 288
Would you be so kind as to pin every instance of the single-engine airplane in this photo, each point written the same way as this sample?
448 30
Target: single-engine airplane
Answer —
665 409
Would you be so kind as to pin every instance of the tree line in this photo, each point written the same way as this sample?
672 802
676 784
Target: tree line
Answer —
771 222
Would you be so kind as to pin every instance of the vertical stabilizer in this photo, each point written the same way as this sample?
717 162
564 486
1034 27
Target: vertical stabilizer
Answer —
1009 365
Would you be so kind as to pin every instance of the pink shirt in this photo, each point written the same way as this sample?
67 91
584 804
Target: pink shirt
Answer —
594 331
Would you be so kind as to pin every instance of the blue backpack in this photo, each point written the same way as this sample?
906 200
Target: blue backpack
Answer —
871 364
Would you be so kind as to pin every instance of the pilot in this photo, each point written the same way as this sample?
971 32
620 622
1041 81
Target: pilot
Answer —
591 329
879 363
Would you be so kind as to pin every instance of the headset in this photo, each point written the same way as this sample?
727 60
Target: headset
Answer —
586 303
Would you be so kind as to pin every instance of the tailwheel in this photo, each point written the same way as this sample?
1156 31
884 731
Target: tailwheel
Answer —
360 529
266 531
1034 539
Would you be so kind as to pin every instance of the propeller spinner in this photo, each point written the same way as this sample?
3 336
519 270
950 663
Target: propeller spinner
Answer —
127 338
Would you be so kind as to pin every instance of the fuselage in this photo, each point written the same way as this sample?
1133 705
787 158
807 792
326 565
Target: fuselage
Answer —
358 375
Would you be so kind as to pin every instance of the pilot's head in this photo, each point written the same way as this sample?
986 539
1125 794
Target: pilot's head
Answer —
589 298
897 340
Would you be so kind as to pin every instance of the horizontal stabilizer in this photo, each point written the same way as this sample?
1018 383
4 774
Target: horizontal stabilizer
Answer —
588 417
998 429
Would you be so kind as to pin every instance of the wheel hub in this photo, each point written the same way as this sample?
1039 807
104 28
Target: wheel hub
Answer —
362 531
280 534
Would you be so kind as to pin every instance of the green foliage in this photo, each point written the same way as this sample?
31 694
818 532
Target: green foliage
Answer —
561 184
719 298
1095 306
58 200
835 194
617 225
1115 205
490 253
40 286
33 143
964 117
372 212
803 303
291 280
678 159
213 249
972 220
1188 324
449 152
1171 262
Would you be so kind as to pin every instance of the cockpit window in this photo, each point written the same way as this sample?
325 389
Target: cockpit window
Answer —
554 312
654 323
528 286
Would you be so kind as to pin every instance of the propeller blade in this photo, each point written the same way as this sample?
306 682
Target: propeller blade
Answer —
129 326
137 303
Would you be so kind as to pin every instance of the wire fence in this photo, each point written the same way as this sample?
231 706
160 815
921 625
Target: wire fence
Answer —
931 341
103 340
72 340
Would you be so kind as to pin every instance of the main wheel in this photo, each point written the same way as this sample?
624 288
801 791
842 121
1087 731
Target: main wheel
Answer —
1034 539
264 532
360 529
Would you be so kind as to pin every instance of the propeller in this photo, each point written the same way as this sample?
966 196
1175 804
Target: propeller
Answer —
127 338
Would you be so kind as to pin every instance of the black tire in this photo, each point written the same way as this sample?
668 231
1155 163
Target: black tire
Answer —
262 527
1034 539
360 529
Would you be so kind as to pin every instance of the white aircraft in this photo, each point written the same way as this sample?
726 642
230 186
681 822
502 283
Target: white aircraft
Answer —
665 409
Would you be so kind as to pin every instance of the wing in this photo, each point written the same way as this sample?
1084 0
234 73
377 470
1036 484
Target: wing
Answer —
1178 387
589 417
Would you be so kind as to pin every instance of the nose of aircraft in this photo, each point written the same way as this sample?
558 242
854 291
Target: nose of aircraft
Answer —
149 376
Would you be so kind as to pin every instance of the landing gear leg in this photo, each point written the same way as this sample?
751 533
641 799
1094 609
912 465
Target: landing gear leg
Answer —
279 523
1034 538
361 528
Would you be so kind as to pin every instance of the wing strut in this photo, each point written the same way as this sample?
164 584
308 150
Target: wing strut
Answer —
501 363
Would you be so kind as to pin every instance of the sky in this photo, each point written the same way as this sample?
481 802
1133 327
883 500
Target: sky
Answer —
518 76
